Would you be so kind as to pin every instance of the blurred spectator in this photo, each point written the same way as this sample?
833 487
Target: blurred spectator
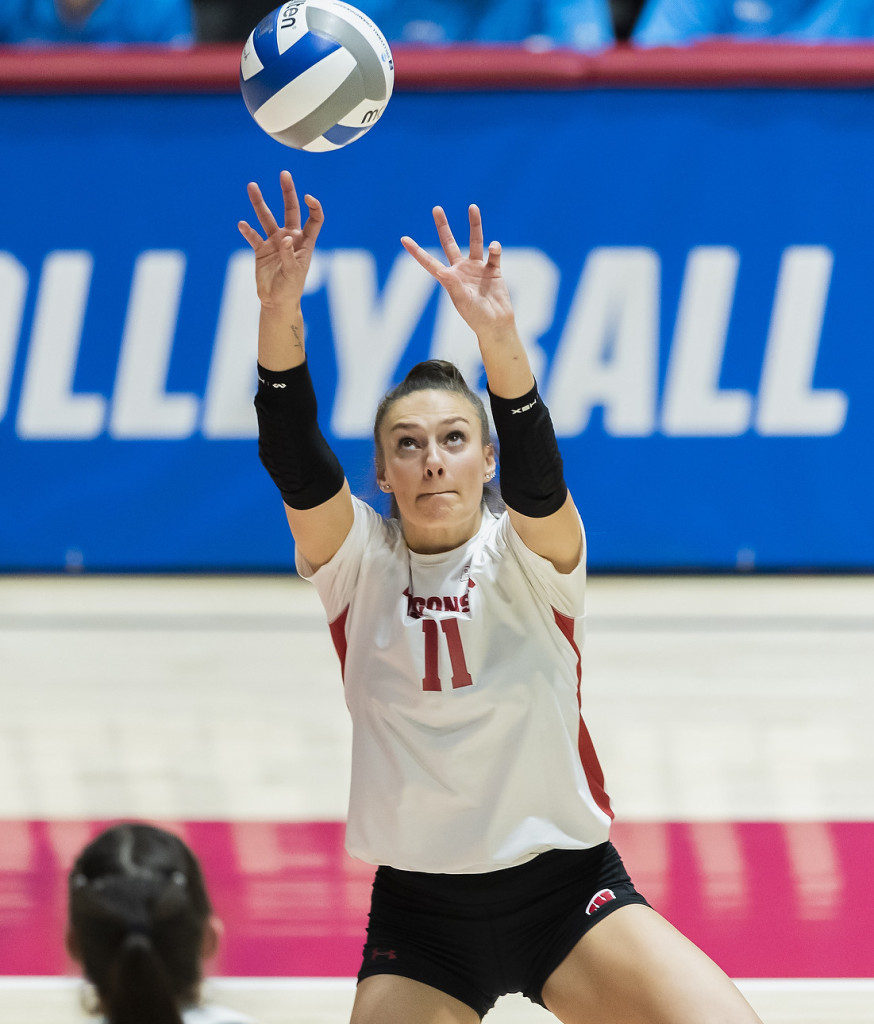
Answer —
625 14
96 21
671 22
582 24
227 21
141 925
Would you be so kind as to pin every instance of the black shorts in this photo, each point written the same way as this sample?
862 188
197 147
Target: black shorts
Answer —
478 937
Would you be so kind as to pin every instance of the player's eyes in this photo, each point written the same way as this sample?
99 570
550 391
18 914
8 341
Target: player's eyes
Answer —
453 439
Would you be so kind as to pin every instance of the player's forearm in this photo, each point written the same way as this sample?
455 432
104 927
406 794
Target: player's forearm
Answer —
290 444
532 475
281 338
506 362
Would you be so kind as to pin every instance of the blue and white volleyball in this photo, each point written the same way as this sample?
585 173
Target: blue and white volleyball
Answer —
316 74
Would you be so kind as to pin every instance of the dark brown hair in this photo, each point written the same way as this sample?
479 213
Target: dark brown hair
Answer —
138 912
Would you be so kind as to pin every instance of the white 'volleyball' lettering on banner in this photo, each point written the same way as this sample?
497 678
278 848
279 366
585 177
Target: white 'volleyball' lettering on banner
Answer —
607 355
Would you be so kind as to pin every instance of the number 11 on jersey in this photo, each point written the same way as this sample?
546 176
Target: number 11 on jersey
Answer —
460 675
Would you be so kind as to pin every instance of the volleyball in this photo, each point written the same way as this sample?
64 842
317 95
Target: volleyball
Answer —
316 74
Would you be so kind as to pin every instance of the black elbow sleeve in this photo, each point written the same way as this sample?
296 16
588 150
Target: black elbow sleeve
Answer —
532 473
290 445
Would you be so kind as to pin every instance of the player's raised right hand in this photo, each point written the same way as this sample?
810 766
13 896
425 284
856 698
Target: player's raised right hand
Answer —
282 259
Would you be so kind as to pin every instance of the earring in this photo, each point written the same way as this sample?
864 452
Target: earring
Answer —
385 487
490 476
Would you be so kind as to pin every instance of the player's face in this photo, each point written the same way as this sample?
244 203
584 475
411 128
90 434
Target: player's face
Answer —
435 465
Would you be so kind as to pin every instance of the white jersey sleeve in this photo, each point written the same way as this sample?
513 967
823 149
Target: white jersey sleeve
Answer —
565 592
337 580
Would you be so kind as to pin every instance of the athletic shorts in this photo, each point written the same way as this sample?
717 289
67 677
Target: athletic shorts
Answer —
478 937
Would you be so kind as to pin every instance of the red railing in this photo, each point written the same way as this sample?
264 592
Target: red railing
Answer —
214 68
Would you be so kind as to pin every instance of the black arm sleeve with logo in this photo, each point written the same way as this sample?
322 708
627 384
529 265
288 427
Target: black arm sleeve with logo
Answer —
290 444
532 473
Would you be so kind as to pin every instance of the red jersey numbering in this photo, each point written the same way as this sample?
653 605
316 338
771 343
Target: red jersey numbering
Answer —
460 675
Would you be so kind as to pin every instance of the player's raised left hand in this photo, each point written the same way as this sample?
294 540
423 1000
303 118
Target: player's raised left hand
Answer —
473 282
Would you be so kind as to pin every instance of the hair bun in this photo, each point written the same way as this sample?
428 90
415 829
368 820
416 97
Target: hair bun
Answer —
435 371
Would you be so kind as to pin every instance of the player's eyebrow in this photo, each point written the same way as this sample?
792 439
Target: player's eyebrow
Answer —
442 423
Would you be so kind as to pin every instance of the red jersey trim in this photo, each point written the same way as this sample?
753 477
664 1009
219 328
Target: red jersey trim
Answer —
588 757
338 635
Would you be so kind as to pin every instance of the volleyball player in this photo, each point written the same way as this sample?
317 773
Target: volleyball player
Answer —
141 925
475 787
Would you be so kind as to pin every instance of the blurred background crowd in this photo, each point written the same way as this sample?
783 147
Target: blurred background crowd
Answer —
586 25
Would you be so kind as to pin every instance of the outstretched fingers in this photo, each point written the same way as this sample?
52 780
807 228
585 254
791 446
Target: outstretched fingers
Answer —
289 200
315 220
250 234
444 234
476 232
447 239
450 247
305 236
422 256
494 260
262 210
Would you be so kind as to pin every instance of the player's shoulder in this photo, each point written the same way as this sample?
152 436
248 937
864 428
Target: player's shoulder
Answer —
374 527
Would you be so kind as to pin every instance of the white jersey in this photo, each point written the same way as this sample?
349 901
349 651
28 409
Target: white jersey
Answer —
462 676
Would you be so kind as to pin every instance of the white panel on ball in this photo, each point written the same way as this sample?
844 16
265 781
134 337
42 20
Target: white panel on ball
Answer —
316 74
306 93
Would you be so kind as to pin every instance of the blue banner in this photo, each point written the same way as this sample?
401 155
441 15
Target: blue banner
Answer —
691 271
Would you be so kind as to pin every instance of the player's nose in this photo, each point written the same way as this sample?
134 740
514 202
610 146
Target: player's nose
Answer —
433 460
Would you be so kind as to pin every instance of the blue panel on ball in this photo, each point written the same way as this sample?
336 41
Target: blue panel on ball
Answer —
265 27
340 135
280 69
